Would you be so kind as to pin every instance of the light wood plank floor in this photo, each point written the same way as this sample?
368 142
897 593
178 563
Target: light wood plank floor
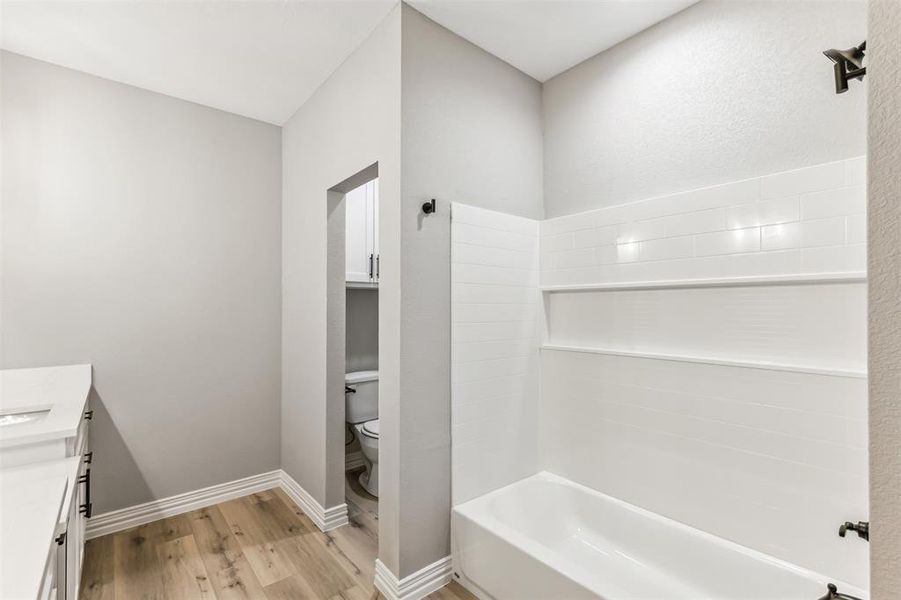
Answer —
259 547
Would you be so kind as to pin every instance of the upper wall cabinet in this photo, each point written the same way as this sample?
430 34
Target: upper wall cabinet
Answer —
362 233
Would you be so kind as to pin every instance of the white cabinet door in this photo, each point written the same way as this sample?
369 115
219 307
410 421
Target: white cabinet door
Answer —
356 241
372 193
361 233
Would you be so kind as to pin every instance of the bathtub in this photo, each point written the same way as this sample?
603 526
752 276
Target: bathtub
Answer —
548 537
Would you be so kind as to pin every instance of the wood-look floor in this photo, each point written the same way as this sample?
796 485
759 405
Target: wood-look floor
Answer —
259 547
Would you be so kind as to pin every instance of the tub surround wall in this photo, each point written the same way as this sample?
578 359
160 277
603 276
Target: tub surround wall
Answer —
733 408
804 221
494 377
726 391
773 460
683 104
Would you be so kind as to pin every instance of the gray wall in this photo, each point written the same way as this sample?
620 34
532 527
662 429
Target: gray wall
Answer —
471 133
141 234
350 122
362 333
884 80
719 92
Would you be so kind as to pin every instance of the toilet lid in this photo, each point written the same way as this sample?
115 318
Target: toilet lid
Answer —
371 429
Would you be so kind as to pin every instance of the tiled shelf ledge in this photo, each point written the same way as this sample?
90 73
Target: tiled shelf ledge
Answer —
712 360
817 278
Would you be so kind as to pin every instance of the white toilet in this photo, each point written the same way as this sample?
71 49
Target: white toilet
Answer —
361 402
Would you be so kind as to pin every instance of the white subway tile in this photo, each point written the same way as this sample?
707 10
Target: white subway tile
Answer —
809 179
584 238
605 235
778 262
766 212
805 234
570 259
626 253
565 224
856 171
482 217
695 222
834 259
467 273
640 231
497 257
666 249
728 242
494 238
833 203
856 229
561 241
718 196
605 255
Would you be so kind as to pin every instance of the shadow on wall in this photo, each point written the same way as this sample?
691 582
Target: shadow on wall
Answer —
111 455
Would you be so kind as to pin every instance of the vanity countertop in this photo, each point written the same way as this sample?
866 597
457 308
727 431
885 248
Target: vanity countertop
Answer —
61 391
31 502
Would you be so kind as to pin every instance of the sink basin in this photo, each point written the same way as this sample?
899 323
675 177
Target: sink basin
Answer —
23 417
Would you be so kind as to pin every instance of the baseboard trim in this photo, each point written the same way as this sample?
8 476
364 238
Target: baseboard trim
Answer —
324 518
416 585
141 514
354 460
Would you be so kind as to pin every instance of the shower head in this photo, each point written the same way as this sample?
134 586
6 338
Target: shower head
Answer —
848 64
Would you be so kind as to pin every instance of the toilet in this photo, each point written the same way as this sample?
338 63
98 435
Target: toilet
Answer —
361 403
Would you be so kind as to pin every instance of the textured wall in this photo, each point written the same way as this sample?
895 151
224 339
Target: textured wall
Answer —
471 132
884 80
141 234
351 122
719 92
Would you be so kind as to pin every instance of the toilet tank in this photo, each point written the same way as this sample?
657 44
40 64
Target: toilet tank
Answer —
362 404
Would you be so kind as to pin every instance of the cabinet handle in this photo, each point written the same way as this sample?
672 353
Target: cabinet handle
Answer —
87 508
61 539
88 415
370 265
377 265
88 458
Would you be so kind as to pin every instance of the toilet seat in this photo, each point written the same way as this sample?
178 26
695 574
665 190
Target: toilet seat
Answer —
370 429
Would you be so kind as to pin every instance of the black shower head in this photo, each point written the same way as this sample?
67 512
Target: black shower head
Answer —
848 65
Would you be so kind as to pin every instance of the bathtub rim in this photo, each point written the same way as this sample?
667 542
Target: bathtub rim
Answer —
476 512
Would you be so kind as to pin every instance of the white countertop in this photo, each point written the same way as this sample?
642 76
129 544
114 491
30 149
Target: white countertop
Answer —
31 499
61 390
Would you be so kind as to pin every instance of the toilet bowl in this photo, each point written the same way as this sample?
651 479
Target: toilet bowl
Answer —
368 434
361 403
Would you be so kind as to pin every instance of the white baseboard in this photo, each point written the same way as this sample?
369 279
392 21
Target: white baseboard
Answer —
126 518
354 460
324 518
141 514
416 585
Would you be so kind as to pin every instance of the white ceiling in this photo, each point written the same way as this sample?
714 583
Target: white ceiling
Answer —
264 58
545 37
260 59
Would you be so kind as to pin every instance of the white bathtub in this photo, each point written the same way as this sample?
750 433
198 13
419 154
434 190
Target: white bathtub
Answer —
547 537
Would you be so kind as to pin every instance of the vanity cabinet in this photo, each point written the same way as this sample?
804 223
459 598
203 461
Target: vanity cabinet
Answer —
42 529
54 407
361 242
